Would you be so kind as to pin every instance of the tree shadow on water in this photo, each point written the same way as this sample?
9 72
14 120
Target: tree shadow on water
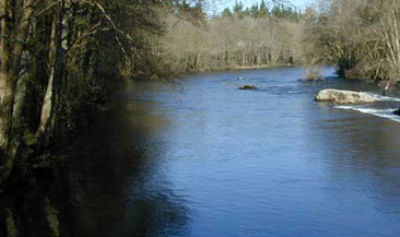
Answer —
109 183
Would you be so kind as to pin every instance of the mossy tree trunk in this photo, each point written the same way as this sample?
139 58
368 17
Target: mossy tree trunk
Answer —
10 70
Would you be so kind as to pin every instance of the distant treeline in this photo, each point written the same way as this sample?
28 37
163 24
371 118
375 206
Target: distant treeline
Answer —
261 10
238 37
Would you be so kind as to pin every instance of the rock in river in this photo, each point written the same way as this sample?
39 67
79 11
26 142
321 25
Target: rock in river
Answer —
248 87
397 112
344 96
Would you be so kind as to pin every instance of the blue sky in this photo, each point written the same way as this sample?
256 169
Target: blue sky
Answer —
221 4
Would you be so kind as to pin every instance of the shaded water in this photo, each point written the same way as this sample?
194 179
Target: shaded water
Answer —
201 158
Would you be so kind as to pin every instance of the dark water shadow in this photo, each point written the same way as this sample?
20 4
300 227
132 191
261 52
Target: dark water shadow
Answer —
103 185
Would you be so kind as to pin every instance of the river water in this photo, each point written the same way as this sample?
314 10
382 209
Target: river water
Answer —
198 157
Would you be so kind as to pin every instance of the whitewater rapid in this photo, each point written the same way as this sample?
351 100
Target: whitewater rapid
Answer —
386 113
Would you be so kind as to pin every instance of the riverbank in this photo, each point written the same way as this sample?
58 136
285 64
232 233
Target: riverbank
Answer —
182 74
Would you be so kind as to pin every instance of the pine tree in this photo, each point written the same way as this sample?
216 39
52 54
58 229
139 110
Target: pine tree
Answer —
254 11
238 8
227 13
263 12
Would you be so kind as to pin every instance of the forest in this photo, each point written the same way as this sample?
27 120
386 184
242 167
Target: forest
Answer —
61 60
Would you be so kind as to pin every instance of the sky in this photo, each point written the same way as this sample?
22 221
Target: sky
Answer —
222 4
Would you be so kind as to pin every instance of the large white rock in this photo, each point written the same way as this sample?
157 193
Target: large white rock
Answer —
344 96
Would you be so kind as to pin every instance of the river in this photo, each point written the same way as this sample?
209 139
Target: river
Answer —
198 157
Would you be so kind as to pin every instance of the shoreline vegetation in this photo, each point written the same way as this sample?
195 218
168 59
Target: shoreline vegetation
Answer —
239 68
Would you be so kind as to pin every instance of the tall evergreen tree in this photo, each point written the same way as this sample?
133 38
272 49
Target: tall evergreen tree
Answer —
238 8
254 11
263 12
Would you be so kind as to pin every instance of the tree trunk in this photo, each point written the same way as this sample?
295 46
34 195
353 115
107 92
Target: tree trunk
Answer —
48 114
5 83
8 80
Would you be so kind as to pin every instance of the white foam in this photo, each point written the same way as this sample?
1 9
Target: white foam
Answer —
383 113
384 98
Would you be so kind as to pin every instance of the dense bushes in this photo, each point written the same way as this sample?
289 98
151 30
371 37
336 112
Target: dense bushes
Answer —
361 37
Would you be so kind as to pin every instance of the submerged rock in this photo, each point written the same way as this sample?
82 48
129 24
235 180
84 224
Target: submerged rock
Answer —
313 74
248 87
315 78
344 96
397 112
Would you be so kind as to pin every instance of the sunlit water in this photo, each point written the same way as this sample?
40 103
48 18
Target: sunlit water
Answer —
199 157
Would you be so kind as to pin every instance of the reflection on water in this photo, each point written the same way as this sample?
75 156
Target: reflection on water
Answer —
202 158
124 190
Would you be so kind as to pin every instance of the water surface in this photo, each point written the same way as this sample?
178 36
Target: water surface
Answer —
199 157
